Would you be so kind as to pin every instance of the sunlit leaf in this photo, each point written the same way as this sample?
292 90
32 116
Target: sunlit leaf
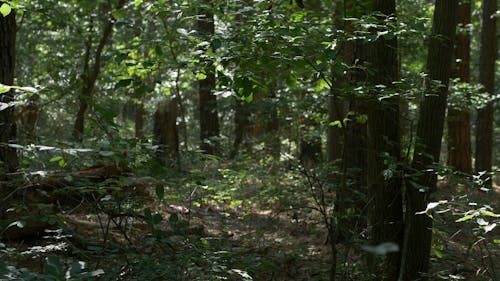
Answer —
5 9
490 227
431 206
467 217
489 214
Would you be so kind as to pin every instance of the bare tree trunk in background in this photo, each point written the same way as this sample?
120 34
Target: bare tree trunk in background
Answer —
209 118
139 118
241 126
487 57
418 231
272 126
90 74
8 132
459 140
384 147
166 133
27 117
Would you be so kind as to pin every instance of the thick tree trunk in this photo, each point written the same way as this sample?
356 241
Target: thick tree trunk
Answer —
27 116
384 187
139 119
337 106
166 133
418 232
459 140
8 132
209 118
484 125
241 126
336 112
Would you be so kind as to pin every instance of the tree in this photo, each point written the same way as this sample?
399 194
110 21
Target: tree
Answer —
209 119
459 140
337 107
166 133
418 227
384 148
8 130
484 123
91 70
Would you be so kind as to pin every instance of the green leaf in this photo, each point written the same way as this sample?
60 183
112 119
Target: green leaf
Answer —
157 218
160 192
336 123
201 76
4 88
489 214
5 9
137 3
123 83
55 159
468 217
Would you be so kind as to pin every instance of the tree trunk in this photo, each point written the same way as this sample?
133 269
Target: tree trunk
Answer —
487 57
166 133
272 137
90 74
209 119
418 232
337 106
139 118
384 147
27 117
459 140
241 126
8 132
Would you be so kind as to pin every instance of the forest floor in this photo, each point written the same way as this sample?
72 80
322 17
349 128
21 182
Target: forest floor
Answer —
214 234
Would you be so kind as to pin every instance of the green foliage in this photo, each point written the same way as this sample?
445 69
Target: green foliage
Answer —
54 270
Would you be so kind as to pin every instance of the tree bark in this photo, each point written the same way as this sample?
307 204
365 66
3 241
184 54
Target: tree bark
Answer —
337 106
90 74
8 131
139 118
418 232
241 126
272 140
209 119
459 140
487 57
384 147
166 133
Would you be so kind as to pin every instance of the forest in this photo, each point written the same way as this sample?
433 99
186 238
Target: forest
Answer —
266 140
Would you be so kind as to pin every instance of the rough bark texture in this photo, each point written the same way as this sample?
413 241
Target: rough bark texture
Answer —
241 126
459 140
91 73
337 106
418 232
27 117
166 133
139 119
8 134
209 119
488 53
384 191
335 142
